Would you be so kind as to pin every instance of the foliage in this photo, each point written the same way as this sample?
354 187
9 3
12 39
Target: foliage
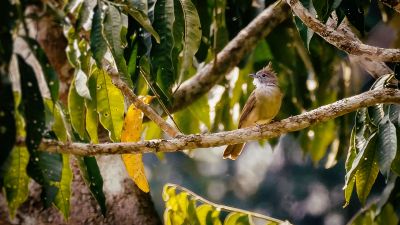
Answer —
154 46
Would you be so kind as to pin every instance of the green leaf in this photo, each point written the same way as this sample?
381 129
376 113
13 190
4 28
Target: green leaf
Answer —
187 122
112 29
110 104
208 215
16 179
201 111
49 73
162 53
348 191
354 13
58 125
84 17
387 216
7 119
365 218
367 170
76 108
191 37
387 145
92 118
325 8
138 10
306 33
62 199
235 218
91 175
98 44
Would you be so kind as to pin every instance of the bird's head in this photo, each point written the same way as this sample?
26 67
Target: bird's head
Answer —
265 76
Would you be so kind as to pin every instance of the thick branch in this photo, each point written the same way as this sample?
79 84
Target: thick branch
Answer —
274 129
146 109
394 4
340 40
230 56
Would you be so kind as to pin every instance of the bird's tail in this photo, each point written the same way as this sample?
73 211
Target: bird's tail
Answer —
233 151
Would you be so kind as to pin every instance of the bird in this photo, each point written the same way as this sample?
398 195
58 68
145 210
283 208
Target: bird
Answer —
261 107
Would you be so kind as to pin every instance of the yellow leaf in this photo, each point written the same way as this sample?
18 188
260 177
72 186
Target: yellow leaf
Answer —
131 133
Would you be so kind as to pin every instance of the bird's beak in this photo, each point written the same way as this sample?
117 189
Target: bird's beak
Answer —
252 75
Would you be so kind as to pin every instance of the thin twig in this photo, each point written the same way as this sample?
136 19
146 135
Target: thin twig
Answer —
224 207
340 40
266 131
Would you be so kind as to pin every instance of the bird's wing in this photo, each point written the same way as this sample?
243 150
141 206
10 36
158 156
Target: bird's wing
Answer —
248 107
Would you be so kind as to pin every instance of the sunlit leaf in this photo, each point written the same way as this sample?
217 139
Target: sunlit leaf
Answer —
235 218
110 104
201 110
81 84
348 191
62 199
208 215
16 179
85 14
76 108
131 133
93 179
58 125
92 118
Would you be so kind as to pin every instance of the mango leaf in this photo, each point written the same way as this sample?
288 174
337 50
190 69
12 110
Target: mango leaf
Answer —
85 14
387 145
201 110
187 122
16 179
48 71
92 118
112 29
387 215
91 175
348 191
325 8
62 199
235 218
306 33
192 35
98 44
7 119
162 53
110 104
208 215
367 170
138 10
80 84
76 108
58 125
131 133
365 218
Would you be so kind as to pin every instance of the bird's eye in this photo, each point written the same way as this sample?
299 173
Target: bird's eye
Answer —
264 75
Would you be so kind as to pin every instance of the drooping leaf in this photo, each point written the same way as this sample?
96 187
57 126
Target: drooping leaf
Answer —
98 44
306 33
348 191
16 179
208 215
92 177
62 199
7 119
110 104
112 29
58 125
235 218
76 108
325 8
138 9
92 118
387 142
48 71
131 133
367 170
85 14
192 35
162 53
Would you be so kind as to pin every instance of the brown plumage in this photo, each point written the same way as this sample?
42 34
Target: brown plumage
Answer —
261 107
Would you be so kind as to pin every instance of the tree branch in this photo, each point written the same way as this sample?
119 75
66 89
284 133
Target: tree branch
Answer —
146 109
230 56
340 40
394 4
265 131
